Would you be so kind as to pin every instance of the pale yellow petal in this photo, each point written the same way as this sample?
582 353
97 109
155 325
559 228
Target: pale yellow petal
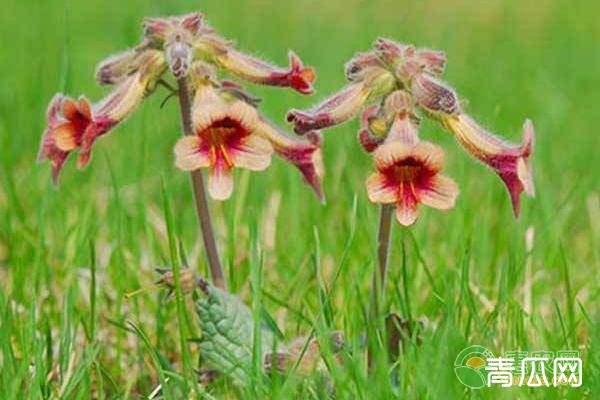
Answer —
431 155
380 191
387 154
406 214
254 153
220 183
188 156
441 194
245 114
64 137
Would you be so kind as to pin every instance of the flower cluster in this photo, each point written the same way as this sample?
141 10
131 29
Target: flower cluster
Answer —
229 131
395 85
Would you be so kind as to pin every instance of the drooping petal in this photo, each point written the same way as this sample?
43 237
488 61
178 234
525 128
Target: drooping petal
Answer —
190 155
304 154
380 190
126 97
220 182
509 160
435 96
440 192
253 153
345 104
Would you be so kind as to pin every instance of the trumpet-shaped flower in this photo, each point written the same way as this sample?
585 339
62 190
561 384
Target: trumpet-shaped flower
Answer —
387 84
408 169
77 124
225 137
510 161
408 174
67 120
344 105
189 36
230 133
228 129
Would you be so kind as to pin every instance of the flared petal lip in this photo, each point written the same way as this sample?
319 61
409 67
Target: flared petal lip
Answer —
301 78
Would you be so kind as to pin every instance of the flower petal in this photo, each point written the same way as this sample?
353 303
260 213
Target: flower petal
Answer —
244 113
431 155
380 189
65 136
207 108
69 109
388 153
440 193
220 182
304 154
406 213
253 153
188 154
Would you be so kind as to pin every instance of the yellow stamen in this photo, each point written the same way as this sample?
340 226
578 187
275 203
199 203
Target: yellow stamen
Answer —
225 155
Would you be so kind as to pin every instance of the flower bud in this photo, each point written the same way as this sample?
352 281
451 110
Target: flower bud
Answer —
435 96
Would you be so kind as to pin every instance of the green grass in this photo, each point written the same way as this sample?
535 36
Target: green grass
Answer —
69 255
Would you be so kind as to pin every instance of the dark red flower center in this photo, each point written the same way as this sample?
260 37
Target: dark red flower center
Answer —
408 176
80 123
221 137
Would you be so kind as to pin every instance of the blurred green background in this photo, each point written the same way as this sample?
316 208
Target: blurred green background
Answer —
507 59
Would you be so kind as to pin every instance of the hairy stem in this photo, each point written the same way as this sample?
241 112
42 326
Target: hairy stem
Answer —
208 235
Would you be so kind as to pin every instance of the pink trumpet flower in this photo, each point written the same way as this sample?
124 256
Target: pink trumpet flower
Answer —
77 124
230 133
396 79
345 104
510 161
408 169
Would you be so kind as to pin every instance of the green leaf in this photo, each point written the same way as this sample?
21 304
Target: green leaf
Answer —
227 334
